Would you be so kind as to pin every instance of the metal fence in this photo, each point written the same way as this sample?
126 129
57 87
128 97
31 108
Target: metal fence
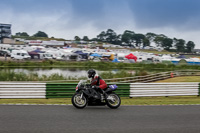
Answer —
164 89
66 90
155 77
22 90
47 90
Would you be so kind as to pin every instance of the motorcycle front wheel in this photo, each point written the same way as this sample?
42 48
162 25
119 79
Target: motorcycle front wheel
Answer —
113 101
79 101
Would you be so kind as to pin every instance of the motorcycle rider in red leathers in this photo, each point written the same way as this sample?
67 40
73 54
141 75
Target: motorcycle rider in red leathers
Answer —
97 82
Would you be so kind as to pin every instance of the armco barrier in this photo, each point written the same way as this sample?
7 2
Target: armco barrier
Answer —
66 90
164 89
60 90
22 90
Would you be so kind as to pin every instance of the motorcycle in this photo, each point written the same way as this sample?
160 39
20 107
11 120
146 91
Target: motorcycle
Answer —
86 95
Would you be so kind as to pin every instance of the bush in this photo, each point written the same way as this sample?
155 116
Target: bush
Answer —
99 65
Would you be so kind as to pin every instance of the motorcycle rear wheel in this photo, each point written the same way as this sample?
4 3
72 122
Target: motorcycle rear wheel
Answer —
113 101
79 102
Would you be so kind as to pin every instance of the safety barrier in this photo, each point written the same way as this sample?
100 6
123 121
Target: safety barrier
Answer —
66 90
164 89
22 90
60 90
47 90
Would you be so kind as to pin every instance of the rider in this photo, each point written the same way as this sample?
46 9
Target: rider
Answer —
96 81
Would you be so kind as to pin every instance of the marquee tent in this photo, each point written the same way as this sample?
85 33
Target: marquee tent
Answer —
131 56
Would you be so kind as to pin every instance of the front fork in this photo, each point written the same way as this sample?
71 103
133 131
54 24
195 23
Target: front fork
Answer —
81 95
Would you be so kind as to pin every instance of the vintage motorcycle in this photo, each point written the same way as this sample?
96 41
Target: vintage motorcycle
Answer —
86 95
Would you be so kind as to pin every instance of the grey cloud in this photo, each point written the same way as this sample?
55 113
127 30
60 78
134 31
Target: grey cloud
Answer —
166 13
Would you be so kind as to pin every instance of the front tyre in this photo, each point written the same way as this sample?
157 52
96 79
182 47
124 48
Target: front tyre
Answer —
113 101
79 101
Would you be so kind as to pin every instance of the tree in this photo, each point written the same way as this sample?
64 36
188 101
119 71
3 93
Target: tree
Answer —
138 39
77 38
85 38
167 43
22 34
150 36
102 36
40 34
118 39
190 46
180 45
146 42
94 39
159 40
127 37
111 36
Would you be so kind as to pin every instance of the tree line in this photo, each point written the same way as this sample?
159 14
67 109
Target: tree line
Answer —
132 39
38 34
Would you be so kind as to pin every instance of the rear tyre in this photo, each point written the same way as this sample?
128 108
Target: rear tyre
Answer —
79 102
113 101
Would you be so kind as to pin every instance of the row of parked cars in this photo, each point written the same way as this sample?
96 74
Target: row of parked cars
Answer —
22 54
4 53
41 55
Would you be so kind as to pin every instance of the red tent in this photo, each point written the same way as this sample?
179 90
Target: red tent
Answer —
131 56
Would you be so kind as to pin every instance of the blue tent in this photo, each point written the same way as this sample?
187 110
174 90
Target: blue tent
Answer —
96 55
115 60
83 55
182 56
38 51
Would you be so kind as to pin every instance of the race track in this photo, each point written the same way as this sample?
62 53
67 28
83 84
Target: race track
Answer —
126 119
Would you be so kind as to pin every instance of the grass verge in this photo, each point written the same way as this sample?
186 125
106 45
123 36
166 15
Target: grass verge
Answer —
125 101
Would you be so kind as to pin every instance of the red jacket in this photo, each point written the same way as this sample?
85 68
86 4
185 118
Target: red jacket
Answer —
99 82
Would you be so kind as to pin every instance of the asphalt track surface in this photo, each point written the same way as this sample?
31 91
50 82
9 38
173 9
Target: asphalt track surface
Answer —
126 119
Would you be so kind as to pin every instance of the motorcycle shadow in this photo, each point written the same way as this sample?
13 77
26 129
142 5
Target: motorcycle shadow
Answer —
97 108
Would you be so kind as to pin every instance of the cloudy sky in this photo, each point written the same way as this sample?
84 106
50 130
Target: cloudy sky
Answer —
68 18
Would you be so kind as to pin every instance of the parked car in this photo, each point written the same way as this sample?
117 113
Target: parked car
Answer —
20 54
45 56
3 52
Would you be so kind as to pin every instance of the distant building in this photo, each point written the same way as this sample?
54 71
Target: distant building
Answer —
5 31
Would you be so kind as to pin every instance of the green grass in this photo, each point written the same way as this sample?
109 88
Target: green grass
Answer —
125 101
96 65
9 75
154 51
161 100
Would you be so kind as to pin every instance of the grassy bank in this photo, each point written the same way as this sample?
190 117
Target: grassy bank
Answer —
9 75
125 101
153 51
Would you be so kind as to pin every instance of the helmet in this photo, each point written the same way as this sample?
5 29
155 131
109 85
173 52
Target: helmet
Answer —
91 73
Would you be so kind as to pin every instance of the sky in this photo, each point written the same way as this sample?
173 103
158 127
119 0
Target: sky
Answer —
69 18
